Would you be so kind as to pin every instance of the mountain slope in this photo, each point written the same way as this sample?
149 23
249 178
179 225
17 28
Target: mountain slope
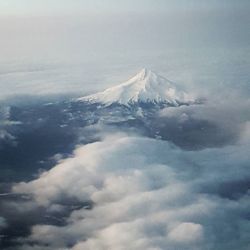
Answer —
144 87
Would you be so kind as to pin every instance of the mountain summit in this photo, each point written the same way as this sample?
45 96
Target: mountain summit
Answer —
145 87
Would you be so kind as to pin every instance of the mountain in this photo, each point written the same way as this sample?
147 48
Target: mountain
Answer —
145 87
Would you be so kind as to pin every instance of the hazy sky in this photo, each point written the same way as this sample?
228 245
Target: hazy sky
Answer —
56 45
95 27
68 6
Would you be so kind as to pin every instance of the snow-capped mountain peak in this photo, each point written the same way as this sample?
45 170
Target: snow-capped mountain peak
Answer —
145 87
142 74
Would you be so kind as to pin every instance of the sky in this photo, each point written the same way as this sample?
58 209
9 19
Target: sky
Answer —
52 46
67 6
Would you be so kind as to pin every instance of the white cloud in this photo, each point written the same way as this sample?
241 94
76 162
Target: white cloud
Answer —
186 233
5 124
147 194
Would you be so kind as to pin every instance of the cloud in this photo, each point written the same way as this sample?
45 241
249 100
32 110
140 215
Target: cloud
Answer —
5 126
216 123
186 232
146 194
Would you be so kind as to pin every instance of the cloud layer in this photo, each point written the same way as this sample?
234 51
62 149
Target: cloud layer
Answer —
146 194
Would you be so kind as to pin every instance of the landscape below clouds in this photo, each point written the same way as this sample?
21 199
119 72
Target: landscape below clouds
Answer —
120 189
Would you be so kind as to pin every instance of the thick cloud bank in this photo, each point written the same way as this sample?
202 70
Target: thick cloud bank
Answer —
145 194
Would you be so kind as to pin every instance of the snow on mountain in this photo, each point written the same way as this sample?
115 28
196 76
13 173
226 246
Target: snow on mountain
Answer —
145 87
